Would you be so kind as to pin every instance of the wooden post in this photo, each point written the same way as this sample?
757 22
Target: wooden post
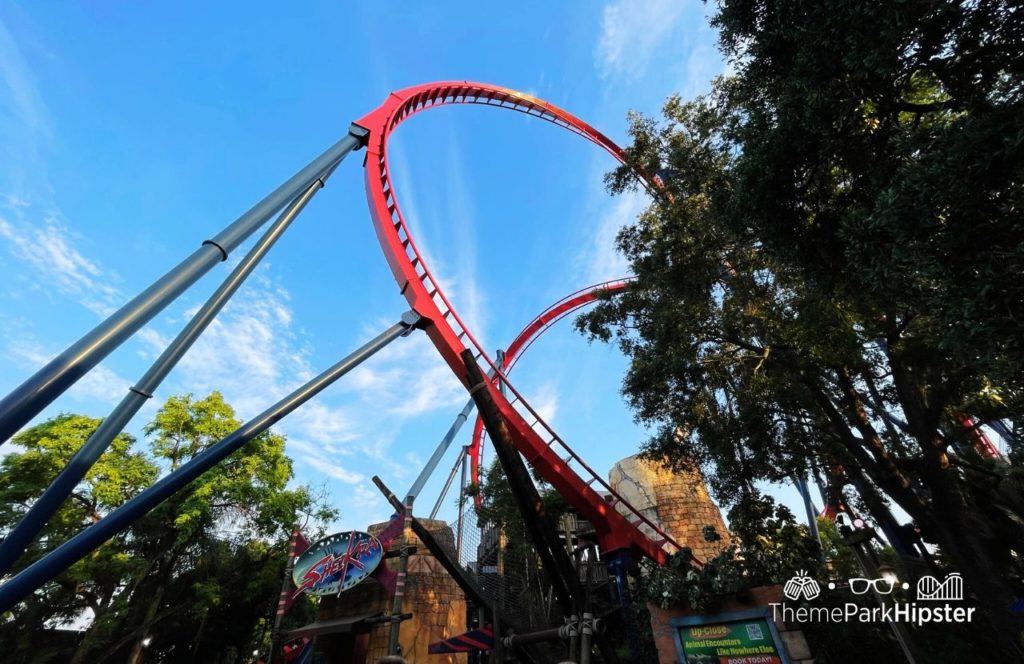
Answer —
541 531
282 602
394 647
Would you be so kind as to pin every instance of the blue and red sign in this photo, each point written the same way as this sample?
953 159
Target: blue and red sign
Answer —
336 563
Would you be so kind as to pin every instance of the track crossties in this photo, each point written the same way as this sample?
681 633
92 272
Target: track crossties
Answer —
533 330
615 520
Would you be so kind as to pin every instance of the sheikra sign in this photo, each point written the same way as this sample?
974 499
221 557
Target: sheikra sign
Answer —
336 563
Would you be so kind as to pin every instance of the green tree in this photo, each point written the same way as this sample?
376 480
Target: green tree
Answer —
94 582
243 499
206 563
834 272
768 547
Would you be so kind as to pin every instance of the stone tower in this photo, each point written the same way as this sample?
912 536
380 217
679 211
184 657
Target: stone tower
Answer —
437 605
678 502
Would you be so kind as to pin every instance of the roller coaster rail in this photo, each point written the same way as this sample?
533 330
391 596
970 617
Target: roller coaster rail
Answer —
525 339
617 523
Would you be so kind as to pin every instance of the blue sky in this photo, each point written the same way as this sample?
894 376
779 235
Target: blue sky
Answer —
130 133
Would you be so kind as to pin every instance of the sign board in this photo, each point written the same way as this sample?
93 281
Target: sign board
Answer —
336 563
743 637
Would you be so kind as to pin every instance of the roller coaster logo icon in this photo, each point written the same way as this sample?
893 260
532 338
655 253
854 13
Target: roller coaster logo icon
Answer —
801 585
930 588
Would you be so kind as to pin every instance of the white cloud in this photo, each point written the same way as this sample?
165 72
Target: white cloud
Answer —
48 250
600 259
101 384
31 225
406 379
631 31
250 351
24 121
453 217
369 504
255 353
544 401
461 212
326 425
332 468
703 64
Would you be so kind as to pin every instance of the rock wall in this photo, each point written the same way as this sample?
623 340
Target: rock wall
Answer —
678 502
431 595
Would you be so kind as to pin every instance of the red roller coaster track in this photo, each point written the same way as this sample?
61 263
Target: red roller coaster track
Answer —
524 340
618 524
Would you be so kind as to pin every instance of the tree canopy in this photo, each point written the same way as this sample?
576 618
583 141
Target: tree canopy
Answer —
206 563
833 275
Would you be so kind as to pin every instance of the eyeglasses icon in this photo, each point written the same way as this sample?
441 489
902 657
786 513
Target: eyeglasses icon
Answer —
882 586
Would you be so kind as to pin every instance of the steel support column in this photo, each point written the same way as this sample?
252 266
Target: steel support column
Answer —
620 564
442 447
812 515
448 484
543 536
89 539
50 501
32 396
462 503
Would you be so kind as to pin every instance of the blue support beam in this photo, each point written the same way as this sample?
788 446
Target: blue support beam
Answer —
76 548
31 397
16 541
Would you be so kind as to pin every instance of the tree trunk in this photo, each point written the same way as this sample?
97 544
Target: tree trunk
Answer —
152 607
197 641
82 650
945 517
959 539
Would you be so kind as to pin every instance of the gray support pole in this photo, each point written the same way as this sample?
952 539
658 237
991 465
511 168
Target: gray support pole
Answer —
587 636
552 634
462 506
86 541
499 357
447 484
574 637
441 448
812 516
453 431
42 509
36 393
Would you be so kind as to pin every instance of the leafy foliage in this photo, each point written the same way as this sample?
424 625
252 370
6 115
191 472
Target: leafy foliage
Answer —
833 274
207 562
768 548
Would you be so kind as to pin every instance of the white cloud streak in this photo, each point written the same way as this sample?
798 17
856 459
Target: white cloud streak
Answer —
600 259
48 251
24 119
631 32
255 353
101 384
